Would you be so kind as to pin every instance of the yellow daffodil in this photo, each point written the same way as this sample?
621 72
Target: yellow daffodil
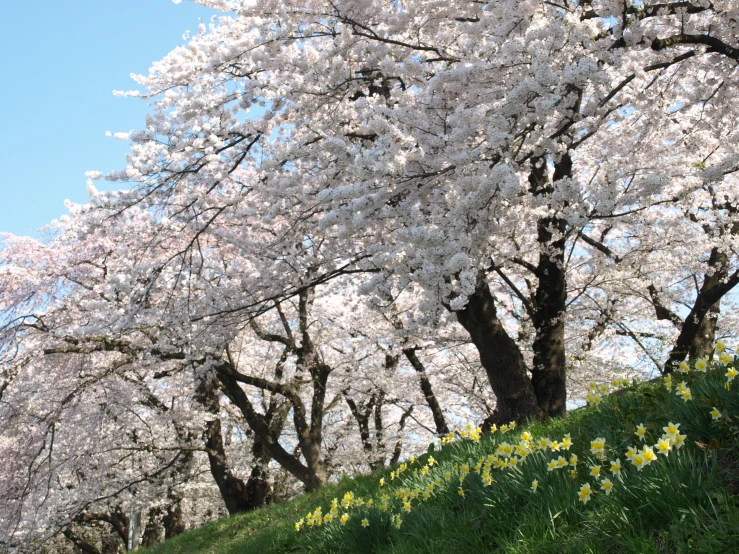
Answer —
715 414
648 454
638 461
534 485
606 486
664 445
672 429
631 452
597 446
365 523
344 519
584 493
640 432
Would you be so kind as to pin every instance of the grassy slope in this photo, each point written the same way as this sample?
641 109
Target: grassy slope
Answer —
684 502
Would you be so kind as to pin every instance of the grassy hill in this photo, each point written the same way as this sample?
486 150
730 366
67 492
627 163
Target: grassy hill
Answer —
676 490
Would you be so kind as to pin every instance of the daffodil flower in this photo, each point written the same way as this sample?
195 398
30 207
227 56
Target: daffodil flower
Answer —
584 493
606 486
640 432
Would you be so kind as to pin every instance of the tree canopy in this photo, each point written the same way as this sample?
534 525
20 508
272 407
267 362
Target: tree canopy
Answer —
371 219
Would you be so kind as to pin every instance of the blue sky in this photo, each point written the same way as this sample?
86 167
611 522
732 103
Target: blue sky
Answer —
60 63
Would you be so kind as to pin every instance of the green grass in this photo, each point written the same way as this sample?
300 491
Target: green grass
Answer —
684 502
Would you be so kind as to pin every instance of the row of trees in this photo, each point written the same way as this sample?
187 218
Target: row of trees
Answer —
349 226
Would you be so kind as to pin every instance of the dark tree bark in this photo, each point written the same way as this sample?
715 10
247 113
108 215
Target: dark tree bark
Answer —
80 542
499 356
714 287
239 496
428 392
697 331
398 450
549 376
153 531
173 520
705 338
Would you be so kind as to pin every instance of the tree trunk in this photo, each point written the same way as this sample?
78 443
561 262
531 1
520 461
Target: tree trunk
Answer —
499 356
153 530
549 375
173 521
234 492
714 287
705 338
428 392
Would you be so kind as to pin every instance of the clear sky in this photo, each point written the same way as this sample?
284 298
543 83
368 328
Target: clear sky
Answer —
61 60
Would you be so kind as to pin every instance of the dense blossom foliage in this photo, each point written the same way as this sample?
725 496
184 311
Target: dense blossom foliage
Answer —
348 225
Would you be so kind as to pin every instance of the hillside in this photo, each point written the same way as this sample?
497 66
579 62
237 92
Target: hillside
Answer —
552 487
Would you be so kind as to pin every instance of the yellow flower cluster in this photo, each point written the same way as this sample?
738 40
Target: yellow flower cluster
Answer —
702 364
671 438
471 432
512 453
684 391
597 447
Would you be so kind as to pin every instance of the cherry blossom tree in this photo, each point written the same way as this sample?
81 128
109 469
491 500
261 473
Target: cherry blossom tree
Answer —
436 147
370 220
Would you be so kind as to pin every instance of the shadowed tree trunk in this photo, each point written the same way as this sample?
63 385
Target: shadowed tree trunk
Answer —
549 375
428 393
239 496
697 334
499 356
173 520
153 530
